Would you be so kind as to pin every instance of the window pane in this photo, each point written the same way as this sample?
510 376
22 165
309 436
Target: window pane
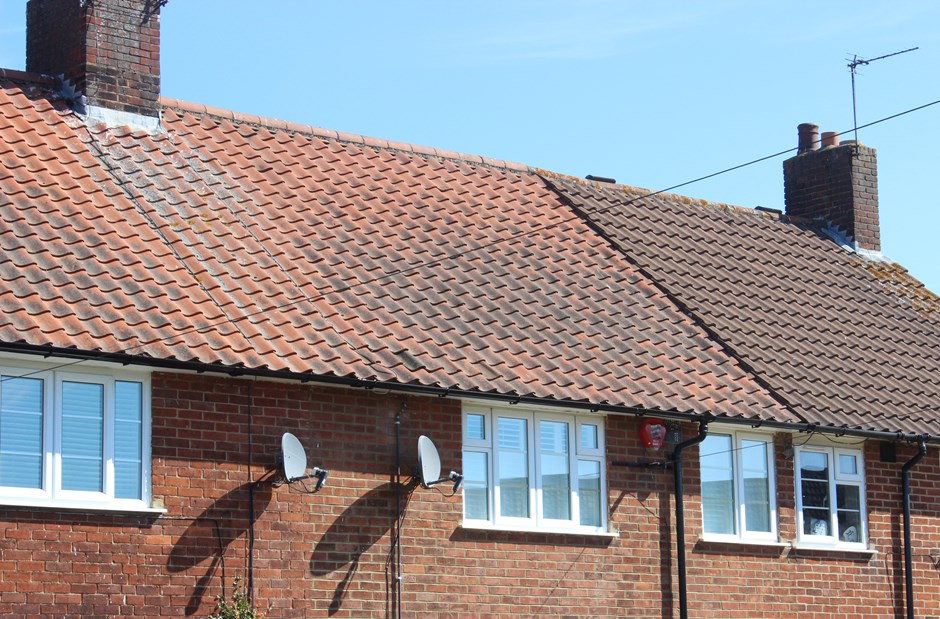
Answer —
848 497
554 463
513 467
814 474
849 513
475 490
21 432
588 436
476 428
815 494
815 521
589 492
756 473
814 465
82 436
717 484
128 426
848 464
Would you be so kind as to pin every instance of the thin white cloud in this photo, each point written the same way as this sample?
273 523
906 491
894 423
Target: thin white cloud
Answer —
859 17
554 41
586 30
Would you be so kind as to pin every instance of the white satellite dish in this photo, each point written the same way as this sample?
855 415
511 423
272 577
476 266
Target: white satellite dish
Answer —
294 462
429 465
294 457
429 462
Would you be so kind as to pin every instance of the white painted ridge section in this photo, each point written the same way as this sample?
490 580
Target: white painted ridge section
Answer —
120 118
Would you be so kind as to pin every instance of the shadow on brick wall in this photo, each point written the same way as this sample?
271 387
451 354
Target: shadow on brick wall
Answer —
211 533
360 526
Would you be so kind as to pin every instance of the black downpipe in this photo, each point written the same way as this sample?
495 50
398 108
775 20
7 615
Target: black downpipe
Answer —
906 496
397 580
251 498
680 513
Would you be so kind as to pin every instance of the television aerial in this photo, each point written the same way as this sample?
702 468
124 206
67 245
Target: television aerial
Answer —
854 64
429 466
294 463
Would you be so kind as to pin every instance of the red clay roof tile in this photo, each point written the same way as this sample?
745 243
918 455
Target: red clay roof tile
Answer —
239 241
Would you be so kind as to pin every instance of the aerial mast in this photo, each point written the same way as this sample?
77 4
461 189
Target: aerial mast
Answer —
853 67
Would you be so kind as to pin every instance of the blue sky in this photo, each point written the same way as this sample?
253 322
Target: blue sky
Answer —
652 94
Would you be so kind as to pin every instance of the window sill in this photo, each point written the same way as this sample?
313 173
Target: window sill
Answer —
742 542
858 550
539 531
78 506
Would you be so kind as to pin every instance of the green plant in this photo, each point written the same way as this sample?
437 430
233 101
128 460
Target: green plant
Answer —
239 607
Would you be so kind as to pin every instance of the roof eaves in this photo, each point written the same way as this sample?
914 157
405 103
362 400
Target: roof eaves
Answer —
440 391
198 109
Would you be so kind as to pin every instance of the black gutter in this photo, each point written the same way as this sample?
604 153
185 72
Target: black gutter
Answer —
443 392
680 513
906 496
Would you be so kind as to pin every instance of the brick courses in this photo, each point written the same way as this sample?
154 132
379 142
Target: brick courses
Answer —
109 50
838 184
325 554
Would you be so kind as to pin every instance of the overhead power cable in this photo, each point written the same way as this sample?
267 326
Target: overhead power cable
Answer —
780 153
175 339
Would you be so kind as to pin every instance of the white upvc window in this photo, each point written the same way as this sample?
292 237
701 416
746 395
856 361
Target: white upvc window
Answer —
738 495
74 439
830 496
528 470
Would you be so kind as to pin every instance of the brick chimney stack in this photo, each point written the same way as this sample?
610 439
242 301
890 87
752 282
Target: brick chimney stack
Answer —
108 50
837 183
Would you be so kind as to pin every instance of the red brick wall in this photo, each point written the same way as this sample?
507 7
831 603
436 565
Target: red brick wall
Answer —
838 184
108 49
327 554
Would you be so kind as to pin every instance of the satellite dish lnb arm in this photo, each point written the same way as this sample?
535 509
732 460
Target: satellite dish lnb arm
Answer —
320 474
453 476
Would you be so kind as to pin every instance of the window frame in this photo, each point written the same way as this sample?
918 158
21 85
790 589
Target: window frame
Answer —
737 467
835 478
536 521
51 494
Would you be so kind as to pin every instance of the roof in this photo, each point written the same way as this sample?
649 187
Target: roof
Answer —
844 339
258 244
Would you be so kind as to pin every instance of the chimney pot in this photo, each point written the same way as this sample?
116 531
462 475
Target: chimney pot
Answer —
808 137
830 138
